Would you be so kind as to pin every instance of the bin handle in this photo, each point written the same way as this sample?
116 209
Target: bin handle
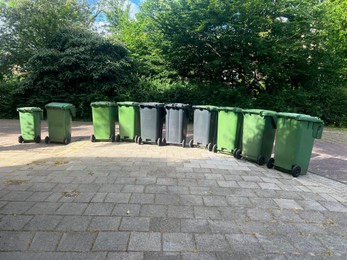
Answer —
317 130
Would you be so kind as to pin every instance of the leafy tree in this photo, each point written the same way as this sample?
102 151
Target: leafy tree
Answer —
78 67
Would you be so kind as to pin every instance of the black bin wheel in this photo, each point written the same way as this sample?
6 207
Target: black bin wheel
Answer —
209 147
92 138
117 138
261 160
112 138
296 170
214 148
37 139
20 139
184 143
47 141
237 153
66 141
139 140
136 139
159 142
270 163
191 143
163 141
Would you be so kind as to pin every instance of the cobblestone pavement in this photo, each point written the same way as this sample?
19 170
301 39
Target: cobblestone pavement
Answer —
125 201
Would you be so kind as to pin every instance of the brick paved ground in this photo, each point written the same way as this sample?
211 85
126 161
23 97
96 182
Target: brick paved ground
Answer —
125 201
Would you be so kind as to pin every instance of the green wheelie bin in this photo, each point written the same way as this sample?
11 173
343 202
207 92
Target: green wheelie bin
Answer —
295 136
104 116
59 117
30 124
229 129
258 135
204 127
129 121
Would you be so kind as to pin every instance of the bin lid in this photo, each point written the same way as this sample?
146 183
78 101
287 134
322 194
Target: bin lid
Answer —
261 112
234 109
103 104
152 104
65 106
300 117
29 109
128 103
206 107
177 105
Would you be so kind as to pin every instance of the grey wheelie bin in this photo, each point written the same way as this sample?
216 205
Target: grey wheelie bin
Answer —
295 136
204 127
129 121
30 124
229 130
59 117
104 116
258 135
176 123
151 123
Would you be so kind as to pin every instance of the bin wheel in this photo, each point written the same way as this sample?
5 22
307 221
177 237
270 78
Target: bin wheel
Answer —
296 170
92 138
184 143
159 142
20 139
237 153
47 141
191 143
163 141
136 138
112 138
66 141
139 140
117 138
209 147
260 160
37 139
214 148
270 163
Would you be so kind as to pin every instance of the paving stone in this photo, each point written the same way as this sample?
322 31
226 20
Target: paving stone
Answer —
52 255
133 188
137 198
287 204
181 212
178 190
212 201
239 202
14 222
154 210
112 188
72 208
111 241
45 241
43 222
178 242
259 214
74 223
16 207
15 241
100 209
125 256
135 224
167 199
125 180
17 195
41 187
131 210
99 197
191 200
311 205
142 241
334 206
104 224
167 181
224 226
84 197
162 255
77 241
287 215
264 203
211 242
195 226
244 243
207 212
268 186
118 197
39 196
248 184
165 225
199 256
44 208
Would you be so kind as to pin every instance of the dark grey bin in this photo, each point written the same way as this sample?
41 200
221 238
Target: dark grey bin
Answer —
205 127
151 120
176 123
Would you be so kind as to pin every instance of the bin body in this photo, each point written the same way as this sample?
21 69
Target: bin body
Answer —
129 120
229 130
295 136
205 125
104 114
258 134
30 123
59 118
176 123
152 119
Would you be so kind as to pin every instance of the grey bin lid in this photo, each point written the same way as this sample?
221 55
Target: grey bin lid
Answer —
234 109
103 104
64 106
261 112
177 105
29 109
300 117
206 107
151 104
128 103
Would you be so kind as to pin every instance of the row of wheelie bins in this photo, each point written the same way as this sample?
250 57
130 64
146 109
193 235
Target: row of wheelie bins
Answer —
247 133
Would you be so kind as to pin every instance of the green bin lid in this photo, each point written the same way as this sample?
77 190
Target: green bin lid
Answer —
29 109
151 104
128 103
103 104
300 117
234 109
206 107
177 105
65 106
261 112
